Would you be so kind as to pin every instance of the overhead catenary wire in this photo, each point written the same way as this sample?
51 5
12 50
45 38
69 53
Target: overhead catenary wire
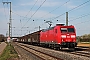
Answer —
43 15
79 5
78 17
82 16
31 8
29 31
46 14
83 22
59 7
34 13
19 15
56 8
71 9
5 13
27 13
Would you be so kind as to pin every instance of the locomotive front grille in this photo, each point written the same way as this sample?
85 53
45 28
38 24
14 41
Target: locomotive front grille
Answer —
69 44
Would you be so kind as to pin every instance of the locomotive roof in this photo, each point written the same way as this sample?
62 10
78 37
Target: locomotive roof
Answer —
47 29
62 25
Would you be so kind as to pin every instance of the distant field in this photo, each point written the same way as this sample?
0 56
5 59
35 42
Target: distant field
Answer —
86 44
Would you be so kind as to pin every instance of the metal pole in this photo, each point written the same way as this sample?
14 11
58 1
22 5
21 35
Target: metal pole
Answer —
39 28
29 32
7 34
9 29
10 23
66 18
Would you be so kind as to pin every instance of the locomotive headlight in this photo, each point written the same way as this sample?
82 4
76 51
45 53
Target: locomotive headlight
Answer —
72 36
63 36
59 43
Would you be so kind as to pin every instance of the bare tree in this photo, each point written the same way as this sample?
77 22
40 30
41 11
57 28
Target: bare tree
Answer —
2 37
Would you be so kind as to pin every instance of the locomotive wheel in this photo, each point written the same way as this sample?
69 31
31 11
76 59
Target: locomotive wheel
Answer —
72 49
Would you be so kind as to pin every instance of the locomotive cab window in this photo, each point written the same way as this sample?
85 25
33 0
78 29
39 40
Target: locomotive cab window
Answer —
70 29
65 30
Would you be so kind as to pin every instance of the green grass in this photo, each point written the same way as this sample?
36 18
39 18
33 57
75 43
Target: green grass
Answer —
8 53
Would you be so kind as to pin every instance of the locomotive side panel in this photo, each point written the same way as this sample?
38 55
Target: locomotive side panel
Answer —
57 35
47 36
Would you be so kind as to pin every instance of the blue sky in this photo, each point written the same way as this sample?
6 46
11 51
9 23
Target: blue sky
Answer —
25 11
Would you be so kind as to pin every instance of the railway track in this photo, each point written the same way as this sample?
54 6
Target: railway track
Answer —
39 54
23 54
55 54
82 53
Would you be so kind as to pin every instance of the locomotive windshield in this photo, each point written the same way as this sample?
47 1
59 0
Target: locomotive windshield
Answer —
70 29
65 30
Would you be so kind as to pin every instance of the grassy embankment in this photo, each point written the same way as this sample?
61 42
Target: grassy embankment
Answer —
9 53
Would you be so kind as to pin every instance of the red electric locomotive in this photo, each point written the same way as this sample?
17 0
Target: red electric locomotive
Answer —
59 36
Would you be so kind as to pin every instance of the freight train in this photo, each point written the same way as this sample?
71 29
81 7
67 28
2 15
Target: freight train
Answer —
59 36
